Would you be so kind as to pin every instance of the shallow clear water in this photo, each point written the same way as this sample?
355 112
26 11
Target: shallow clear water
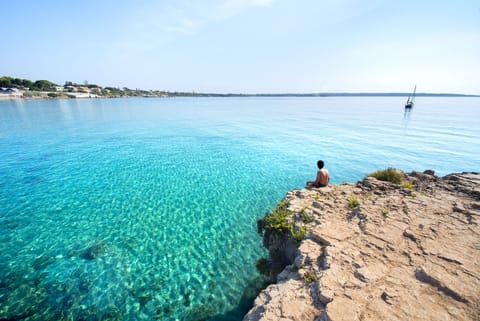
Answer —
146 209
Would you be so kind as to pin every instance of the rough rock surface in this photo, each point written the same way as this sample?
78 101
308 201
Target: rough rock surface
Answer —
401 254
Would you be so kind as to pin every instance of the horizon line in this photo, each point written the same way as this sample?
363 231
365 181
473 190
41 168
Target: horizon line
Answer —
323 94
311 94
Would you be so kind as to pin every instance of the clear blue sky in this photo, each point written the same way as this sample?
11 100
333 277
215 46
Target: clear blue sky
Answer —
246 46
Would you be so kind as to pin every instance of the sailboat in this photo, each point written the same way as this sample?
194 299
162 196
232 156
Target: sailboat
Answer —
411 99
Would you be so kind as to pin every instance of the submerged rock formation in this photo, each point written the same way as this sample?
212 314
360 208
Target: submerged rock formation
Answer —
376 250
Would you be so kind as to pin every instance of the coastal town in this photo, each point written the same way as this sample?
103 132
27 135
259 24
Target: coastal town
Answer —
16 88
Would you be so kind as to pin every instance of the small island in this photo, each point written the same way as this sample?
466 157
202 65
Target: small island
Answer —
393 246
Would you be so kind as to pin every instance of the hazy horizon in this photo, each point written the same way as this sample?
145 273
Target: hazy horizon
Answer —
247 47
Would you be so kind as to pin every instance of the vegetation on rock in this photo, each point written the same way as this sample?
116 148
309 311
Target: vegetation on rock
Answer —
298 233
385 213
306 218
388 175
310 277
353 201
407 185
277 219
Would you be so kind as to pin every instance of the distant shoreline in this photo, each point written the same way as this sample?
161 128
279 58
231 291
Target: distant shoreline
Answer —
6 97
16 88
341 94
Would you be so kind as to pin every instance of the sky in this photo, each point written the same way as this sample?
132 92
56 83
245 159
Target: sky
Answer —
246 46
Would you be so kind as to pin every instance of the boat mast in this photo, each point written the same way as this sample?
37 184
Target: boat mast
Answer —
413 96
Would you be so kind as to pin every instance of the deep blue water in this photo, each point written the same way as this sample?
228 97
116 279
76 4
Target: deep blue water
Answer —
146 209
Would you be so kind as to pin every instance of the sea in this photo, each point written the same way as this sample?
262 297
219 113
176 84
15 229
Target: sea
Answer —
147 208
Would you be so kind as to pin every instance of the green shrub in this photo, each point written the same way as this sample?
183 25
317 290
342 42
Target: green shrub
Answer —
353 202
277 220
407 185
306 218
282 205
310 277
385 213
388 175
299 234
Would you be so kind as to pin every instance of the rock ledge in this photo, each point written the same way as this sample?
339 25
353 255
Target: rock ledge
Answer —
400 254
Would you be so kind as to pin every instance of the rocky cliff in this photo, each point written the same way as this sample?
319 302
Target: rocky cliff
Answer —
375 250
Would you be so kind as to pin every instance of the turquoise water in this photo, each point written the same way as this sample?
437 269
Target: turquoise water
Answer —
146 209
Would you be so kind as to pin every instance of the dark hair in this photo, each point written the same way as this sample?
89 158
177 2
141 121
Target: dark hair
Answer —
320 164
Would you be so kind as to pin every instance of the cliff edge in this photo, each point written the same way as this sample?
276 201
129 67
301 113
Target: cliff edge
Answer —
375 250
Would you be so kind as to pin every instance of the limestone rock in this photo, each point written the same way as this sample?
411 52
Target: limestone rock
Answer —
402 254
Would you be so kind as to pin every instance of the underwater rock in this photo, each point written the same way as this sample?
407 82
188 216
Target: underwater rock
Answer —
199 313
12 280
21 298
42 262
144 299
88 289
94 251
13 223
85 285
164 311
112 313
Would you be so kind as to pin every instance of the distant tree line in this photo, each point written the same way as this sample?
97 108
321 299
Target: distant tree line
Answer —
9 82
86 84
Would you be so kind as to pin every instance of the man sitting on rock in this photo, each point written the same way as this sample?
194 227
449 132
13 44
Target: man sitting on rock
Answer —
323 177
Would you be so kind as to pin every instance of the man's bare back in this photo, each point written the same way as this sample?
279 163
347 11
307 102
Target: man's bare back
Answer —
323 176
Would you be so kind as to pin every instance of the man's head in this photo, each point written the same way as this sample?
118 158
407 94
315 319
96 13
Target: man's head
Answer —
320 164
